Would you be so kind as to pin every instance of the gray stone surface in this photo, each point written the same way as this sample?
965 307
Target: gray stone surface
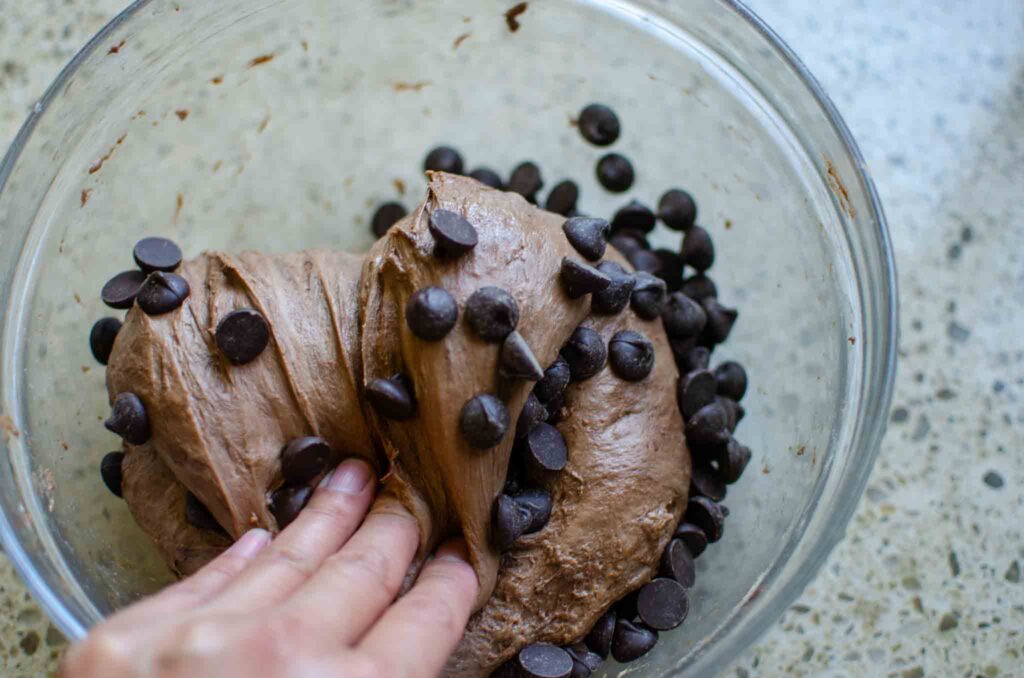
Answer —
927 582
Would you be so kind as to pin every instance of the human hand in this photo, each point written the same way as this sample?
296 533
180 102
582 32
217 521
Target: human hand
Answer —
318 600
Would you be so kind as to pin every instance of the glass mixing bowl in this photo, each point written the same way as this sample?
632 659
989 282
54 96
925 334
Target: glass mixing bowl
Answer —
279 125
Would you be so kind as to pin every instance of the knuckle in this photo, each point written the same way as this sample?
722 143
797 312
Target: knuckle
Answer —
361 665
433 612
291 558
370 564
102 653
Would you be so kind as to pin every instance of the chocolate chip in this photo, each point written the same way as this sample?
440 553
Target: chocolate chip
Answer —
526 181
492 313
392 398
510 521
670 268
287 502
677 563
693 358
128 419
443 159
517 360
698 250
556 409
631 355
720 321
537 503
634 217
488 177
695 390
101 338
431 313
198 516
587 235
484 421
585 353
545 448
580 279
732 380
556 378
648 297
615 173
305 458
699 287
645 260
600 637
584 662
120 291
732 461
693 536
683 317
110 471
386 216
562 198
708 426
544 660
614 298
157 254
733 411
626 607
677 209
242 335
705 482
453 235
533 413
632 641
162 293
707 515
663 604
627 243
599 125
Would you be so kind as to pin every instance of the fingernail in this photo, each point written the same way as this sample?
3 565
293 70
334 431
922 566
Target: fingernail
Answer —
453 549
251 543
351 477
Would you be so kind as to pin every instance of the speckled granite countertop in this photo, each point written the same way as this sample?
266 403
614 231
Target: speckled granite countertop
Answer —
927 582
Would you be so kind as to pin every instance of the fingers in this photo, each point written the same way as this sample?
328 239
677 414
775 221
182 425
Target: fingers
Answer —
418 633
356 584
328 521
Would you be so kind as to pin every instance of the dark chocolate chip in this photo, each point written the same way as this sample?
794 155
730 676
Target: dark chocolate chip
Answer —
705 481
509 669
537 503
443 159
732 411
392 398
128 419
720 321
670 269
484 421
648 297
695 390
533 413
626 607
707 515
110 471
615 173
614 298
631 355
120 291
677 209
599 125
510 521
645 260
677 563
488 177
386 216
693 536
431 313
162 293
632 641
157 254
580 279
101 338
453 235
562 198
627 243
555 408
545 448
198 516
732 380
287 502
544 660
709 426
242 335
732 461
585 353
517 360
600 637
663 604
693 358
698 250
303 459
699 287
526 181
556 378
584 661
683 317
634 217
492 313
587 235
